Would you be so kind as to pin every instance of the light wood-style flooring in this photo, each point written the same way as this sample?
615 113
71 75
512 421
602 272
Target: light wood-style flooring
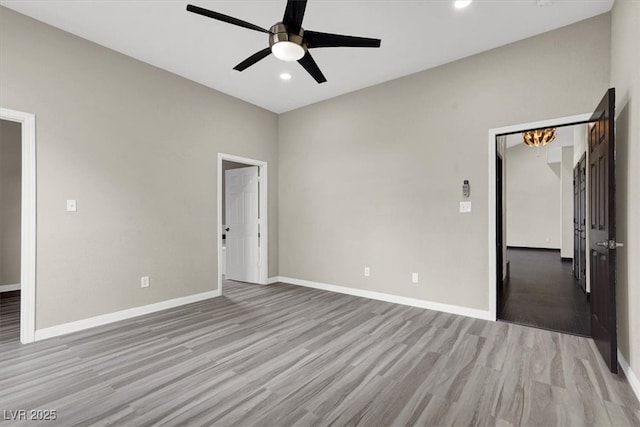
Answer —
283 355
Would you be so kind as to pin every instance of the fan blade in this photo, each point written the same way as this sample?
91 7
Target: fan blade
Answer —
312 68
316 39
253 59
293 15
224 18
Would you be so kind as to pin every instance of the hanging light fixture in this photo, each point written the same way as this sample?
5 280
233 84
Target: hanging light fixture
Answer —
538 137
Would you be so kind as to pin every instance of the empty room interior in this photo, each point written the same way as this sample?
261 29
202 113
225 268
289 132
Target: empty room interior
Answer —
278 213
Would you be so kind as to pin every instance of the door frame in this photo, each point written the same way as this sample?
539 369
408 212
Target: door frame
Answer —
500 256
263 186
493 133
27 222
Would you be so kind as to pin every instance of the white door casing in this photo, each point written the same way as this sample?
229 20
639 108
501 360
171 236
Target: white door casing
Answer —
243 224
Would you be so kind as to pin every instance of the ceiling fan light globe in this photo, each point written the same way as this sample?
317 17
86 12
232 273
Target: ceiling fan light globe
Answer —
461 4
287 51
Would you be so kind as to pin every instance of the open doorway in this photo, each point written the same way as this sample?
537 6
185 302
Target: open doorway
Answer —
242 220
538 233
26 227
601 243
10 226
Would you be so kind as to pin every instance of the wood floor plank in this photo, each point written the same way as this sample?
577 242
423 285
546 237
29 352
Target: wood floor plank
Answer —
283 355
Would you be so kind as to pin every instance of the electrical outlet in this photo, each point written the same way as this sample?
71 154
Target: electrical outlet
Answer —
367 271
465 207
414 277
72 206
144 282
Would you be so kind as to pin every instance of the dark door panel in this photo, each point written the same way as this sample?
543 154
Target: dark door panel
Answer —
582 222
499 232
579 222
602 229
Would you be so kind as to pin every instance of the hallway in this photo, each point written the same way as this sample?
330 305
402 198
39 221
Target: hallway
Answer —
9 316
542 292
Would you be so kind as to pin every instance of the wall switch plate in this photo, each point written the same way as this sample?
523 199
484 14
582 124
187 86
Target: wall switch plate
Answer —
367 271
465 207
144 282
414 277
72 206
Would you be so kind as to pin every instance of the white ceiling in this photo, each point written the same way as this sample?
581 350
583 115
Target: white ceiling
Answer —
416 35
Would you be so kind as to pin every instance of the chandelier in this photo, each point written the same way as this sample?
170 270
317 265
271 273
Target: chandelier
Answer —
538 137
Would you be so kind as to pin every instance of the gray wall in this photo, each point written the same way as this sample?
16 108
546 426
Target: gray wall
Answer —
534 195
625 77
374 177
137 147
10 200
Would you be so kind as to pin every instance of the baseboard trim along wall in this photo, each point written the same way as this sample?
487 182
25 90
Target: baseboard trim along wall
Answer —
413 302
534 248
92 322
9 288
273 280
631 376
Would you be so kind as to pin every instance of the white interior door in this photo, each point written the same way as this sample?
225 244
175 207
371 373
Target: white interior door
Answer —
242 224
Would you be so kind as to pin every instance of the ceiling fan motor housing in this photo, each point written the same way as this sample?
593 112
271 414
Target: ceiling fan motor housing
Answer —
280 35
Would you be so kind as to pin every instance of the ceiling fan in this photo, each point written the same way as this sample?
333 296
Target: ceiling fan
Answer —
288 41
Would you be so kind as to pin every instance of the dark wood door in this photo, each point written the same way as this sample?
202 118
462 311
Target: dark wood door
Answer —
576 222
499 232
579 222
582 222
602 229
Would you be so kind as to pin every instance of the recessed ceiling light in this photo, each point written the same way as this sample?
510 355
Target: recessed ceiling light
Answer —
285 76
460 4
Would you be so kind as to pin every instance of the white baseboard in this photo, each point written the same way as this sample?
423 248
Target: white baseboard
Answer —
631 376
272 280
79 325
447 308
9 288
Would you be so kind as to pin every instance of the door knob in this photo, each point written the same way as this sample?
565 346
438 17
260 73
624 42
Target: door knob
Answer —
226 229
610 244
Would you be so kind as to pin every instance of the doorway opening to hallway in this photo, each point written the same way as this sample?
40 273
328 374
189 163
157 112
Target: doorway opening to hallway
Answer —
242 220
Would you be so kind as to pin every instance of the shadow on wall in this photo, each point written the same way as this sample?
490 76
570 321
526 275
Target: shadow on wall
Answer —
622 235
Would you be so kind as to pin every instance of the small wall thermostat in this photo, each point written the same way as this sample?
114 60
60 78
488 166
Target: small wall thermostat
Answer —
466 190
